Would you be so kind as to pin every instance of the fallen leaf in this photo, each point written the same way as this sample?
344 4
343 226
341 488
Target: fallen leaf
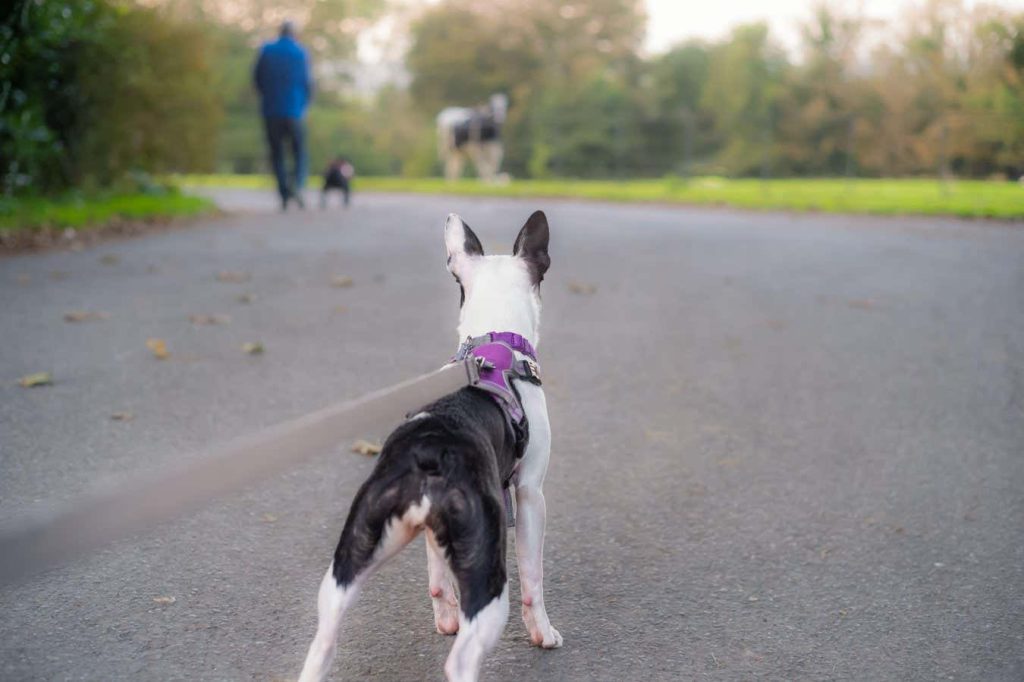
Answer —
252 348
232 276
341 281
268 518
85 316
582 288
164 600
159 348
122 416
245 298
365 447
341 308
110 259
37 379
201 320
861 303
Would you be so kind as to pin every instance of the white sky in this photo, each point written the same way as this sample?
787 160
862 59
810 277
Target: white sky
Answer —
381 47
670 21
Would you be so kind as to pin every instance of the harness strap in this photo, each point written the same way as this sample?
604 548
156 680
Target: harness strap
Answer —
498 368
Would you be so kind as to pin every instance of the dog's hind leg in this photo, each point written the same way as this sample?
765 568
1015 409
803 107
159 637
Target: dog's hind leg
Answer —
469 526
442 588
477 636
381 522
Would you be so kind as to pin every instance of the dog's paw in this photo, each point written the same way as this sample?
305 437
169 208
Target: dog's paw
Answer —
446 616
541 631
552 639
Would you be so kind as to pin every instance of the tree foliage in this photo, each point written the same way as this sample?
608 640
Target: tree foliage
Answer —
939 93
90 90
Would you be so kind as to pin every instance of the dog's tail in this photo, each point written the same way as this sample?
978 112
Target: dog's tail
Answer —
429 457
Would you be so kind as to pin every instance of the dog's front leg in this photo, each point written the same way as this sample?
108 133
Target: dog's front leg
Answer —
532 513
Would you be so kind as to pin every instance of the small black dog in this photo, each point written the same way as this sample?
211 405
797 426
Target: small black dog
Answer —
338 175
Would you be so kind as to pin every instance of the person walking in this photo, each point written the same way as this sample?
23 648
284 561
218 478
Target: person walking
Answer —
282 77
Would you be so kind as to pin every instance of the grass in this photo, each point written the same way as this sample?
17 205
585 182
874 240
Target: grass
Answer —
34 214
967 198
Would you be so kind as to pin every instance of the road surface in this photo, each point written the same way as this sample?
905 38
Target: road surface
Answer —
785 446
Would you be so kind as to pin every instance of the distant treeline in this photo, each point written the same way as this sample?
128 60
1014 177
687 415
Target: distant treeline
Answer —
940 92
91 90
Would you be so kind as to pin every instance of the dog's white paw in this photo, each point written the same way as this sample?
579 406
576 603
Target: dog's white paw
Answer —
544 636
446 615
552 639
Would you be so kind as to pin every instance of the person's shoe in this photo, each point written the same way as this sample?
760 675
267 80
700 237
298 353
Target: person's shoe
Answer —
299 200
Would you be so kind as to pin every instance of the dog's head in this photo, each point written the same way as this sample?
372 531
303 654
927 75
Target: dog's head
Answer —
499 292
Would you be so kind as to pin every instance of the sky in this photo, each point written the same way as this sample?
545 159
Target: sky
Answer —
671 21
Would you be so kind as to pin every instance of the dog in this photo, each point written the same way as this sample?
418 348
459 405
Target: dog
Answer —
446 471
338 176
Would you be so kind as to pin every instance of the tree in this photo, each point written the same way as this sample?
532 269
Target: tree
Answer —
820 111
90 90
743 93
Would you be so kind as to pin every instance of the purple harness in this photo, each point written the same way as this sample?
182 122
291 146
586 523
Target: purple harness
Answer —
495 354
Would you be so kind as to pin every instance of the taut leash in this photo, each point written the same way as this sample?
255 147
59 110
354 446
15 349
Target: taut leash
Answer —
105 516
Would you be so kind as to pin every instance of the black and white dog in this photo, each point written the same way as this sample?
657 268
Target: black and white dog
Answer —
443 472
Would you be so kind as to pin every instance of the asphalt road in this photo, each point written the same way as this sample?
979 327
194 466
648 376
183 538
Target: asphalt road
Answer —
785 447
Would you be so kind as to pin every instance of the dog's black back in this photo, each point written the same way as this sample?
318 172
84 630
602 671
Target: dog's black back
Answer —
457 455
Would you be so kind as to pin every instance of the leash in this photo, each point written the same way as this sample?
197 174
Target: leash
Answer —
109 515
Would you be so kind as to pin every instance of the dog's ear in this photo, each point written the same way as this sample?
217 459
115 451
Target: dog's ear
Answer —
532 246
460 242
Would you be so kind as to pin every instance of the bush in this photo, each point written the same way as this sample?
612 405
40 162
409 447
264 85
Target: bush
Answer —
90 90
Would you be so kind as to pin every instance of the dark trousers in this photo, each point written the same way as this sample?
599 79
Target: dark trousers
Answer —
293 132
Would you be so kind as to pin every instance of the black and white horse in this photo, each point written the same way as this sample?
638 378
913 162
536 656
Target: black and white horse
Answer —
473 133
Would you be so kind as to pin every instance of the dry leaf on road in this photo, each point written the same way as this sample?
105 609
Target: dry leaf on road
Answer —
85 316
341 281
582 288
232 276
37 379
110 259
158 347
245 298
365 447
252 348
122 416
202 320
164 600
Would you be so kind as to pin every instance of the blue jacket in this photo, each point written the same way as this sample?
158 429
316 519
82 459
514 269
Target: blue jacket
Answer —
283 78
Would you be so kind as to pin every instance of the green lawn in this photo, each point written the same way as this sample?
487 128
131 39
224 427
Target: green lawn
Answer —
970 198
83 212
